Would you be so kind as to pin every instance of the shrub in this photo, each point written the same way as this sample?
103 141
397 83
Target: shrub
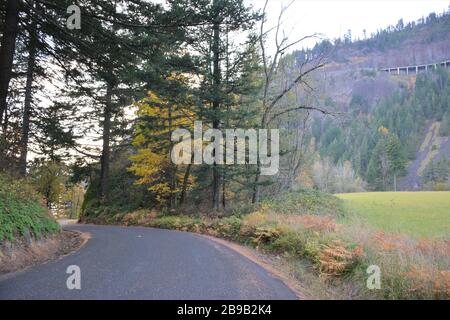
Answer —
265 235
138 217
290 242
21 211
228 227
335 259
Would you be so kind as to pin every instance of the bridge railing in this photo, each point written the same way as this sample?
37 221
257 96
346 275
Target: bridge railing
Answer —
415 69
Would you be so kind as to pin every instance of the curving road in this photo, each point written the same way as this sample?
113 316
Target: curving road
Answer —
145 263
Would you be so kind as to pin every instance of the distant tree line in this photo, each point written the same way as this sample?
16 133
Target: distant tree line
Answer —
434 27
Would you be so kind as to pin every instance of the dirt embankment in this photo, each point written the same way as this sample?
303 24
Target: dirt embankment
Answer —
25 252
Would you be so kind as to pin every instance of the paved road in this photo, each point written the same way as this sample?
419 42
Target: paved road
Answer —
145 263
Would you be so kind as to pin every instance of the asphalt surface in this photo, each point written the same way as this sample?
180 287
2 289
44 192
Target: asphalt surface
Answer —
146 263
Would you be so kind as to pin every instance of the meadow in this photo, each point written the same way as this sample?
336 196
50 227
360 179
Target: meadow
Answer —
416 214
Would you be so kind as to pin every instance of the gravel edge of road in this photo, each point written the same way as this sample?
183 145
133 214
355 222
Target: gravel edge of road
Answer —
261 260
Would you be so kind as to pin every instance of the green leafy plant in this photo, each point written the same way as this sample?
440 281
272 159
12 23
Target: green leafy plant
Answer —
21 211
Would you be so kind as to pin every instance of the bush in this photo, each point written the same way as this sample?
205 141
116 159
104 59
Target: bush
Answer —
21 211
291 243
123 195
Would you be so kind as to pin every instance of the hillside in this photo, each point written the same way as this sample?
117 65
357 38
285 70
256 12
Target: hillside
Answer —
373 108
418 42
432 149
355 67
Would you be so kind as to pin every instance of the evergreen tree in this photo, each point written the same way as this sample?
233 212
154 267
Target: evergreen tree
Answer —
220 64
378 169
396 159
7 49
112 43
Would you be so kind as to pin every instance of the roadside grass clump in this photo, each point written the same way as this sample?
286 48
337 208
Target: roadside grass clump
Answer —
21 211
308 237
182 223
411 268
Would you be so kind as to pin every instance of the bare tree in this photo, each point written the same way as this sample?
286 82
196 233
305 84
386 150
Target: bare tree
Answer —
272 96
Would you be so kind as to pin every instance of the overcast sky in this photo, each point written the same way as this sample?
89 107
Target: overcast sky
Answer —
333 18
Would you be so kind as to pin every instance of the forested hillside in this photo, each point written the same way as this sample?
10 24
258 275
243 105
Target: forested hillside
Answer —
380 139
381 121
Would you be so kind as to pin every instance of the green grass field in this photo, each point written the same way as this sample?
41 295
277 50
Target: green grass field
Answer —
418 214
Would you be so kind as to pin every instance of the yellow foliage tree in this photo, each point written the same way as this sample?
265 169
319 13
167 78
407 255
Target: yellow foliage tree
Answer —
157 119
383 130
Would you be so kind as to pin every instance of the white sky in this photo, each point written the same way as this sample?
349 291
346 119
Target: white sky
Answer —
333 18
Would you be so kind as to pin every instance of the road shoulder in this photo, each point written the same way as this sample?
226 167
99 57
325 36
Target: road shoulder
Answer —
264 261
19 255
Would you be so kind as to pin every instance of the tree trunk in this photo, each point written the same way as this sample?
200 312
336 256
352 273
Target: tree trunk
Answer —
28 101
48 203
186 180
255 197
216 103
173 185
395 182
172 166
224 189
185 183
216 187
72 203
256 187
106 152
5 120
7 49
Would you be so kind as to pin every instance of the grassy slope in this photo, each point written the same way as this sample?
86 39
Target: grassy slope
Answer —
417 214
21 212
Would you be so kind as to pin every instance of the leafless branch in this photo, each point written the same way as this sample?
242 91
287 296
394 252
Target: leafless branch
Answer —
302 107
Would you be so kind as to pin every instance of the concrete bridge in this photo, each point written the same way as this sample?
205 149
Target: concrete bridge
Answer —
415 69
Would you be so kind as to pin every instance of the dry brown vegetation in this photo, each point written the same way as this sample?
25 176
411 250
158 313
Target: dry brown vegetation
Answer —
20 253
